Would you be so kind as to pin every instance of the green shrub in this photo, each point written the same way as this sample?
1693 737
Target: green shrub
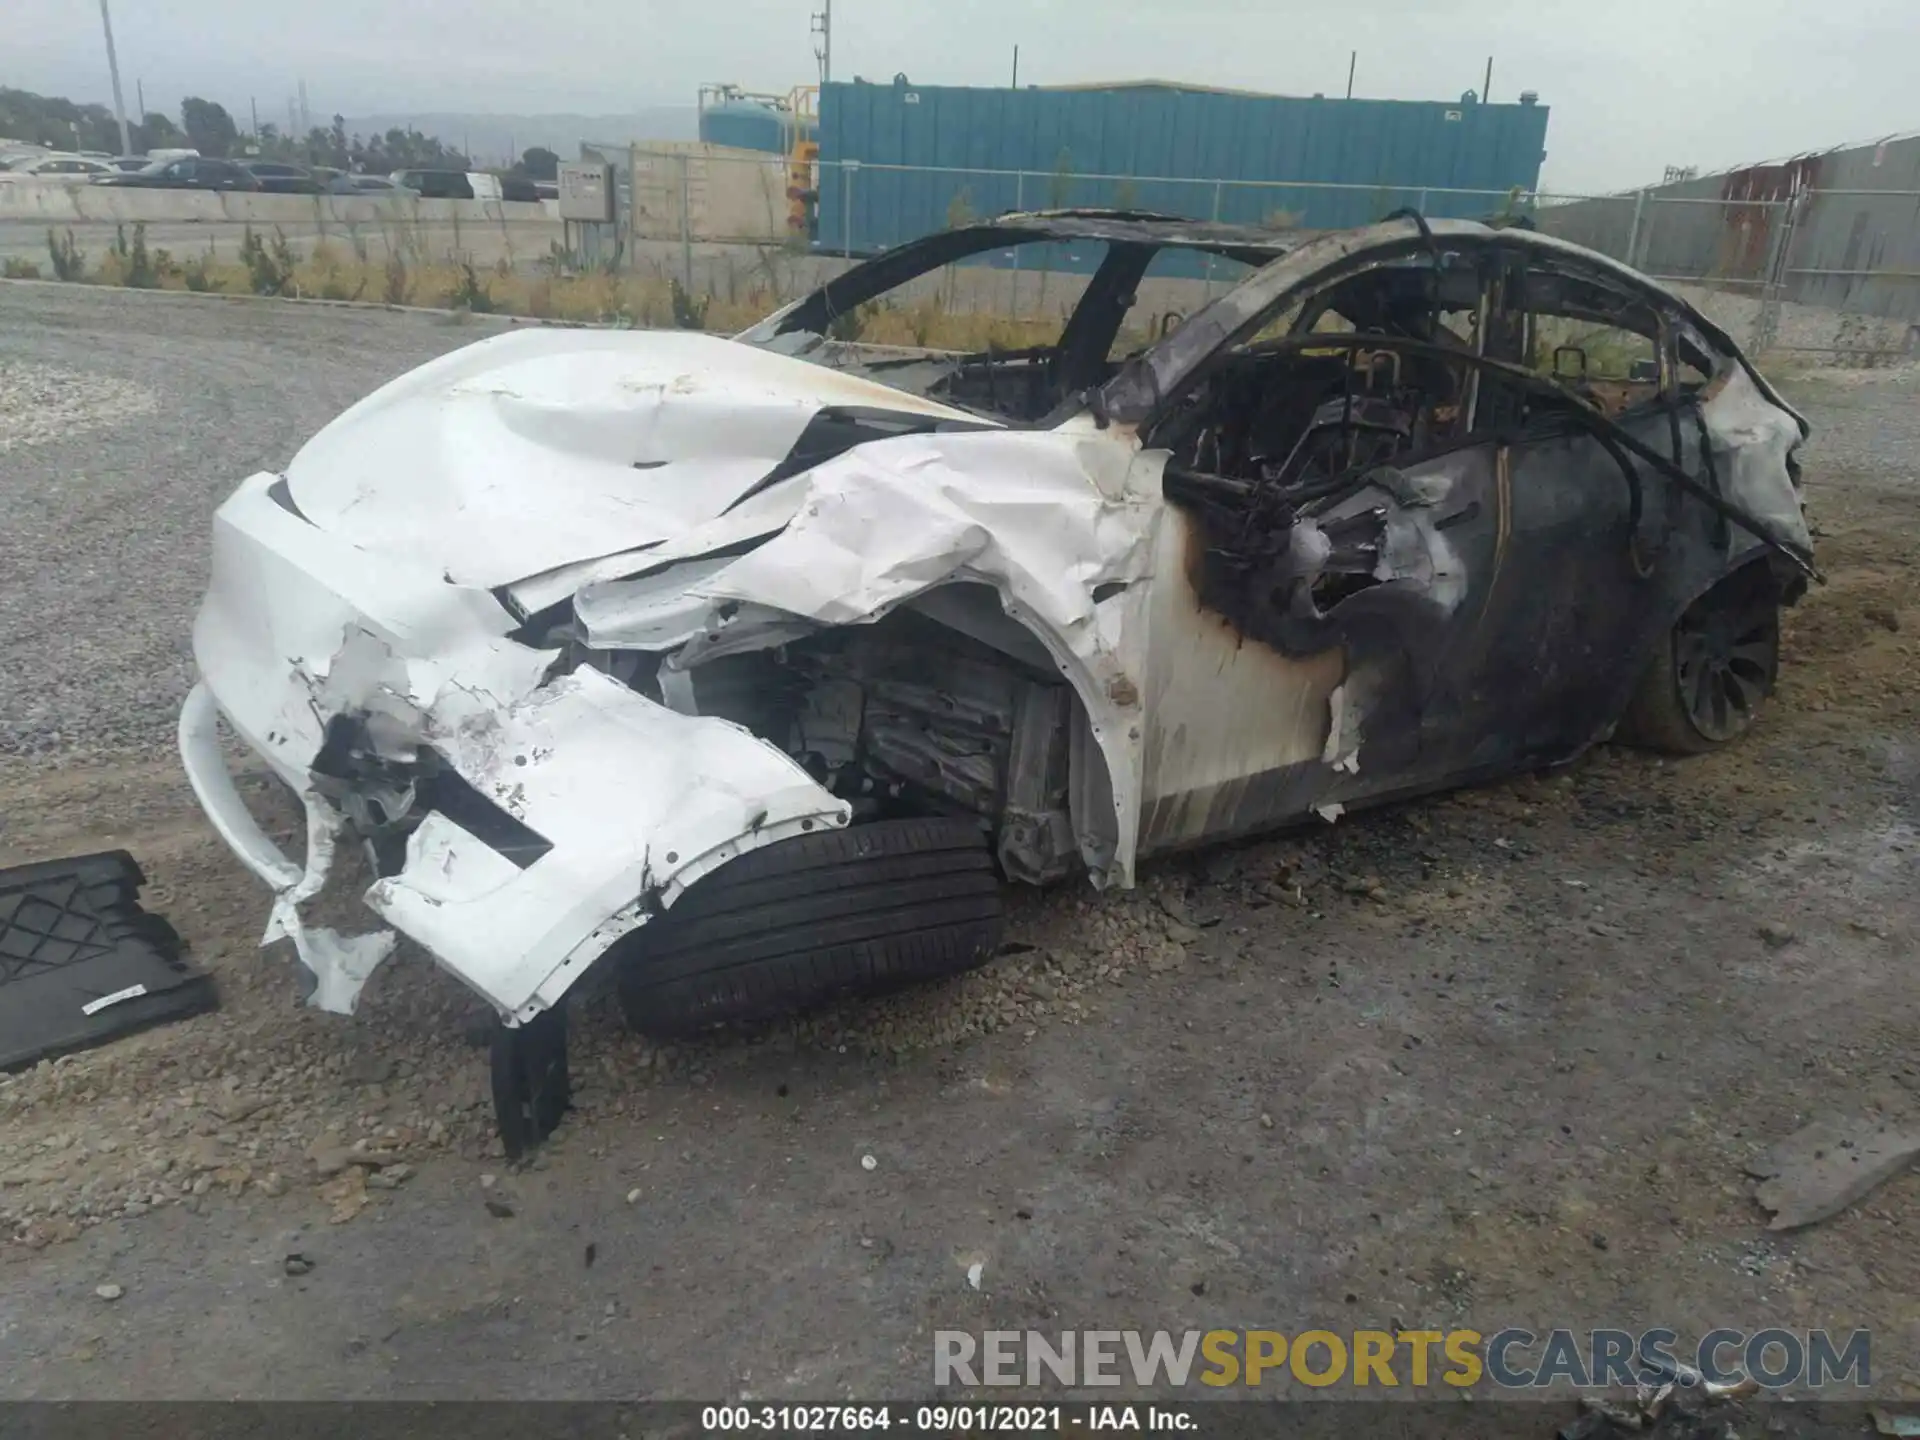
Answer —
689 310
469 292
398 289
69 261
269 267
133 266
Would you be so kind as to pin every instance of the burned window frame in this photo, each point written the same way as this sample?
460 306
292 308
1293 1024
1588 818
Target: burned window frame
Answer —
815 312
1148 385
1146 392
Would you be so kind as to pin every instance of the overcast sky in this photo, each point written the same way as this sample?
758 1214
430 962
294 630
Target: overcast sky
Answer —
1634 85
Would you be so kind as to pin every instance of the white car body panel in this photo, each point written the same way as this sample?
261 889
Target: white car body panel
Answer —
518 455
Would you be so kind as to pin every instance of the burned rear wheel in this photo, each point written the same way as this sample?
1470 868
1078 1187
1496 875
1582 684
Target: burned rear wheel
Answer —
1712 672
804 921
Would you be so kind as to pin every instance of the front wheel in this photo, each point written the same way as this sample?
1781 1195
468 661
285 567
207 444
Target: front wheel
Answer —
807 920
1711 673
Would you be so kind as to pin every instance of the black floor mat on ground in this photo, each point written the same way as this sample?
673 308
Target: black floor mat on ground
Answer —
81 962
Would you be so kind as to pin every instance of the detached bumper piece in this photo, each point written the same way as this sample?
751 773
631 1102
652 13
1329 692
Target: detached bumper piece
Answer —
81 963
532 1089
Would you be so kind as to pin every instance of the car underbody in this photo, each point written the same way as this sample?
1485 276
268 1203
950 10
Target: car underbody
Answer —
561 624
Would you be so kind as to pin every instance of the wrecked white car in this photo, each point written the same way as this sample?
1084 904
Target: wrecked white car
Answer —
740 672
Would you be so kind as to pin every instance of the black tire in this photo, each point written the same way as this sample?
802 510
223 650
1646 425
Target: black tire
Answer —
1710 675
801 922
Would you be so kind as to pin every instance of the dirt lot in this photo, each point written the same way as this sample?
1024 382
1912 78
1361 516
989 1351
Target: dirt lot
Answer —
1493 1059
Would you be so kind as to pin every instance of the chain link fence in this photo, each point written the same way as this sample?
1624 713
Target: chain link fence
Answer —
1814 272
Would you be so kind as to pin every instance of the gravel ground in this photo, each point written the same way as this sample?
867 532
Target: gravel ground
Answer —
104 549
1497 1058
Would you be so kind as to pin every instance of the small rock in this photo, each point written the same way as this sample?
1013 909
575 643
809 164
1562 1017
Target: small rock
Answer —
367 1069
487 1182
1599 1242
330 1157
235 1108
499 1208
297 1264
1266 1122
867 1162
391 1178
108 1292
273 1185
1777 937
633 1196
346 1193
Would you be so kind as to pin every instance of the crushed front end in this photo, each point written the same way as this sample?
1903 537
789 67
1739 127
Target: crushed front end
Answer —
520 816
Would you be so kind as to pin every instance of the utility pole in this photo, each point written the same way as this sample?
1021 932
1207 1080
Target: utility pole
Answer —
306 120
1016 67
254 110
1486 90
140 102
113 68
1353 59
823 27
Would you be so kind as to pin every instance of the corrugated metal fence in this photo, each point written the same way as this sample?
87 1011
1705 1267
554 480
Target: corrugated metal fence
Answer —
1837 233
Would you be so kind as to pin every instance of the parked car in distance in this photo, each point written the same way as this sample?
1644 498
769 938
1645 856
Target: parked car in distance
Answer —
130 163
518 187
279 178
361 185
436 184
61 169
197 172
547 189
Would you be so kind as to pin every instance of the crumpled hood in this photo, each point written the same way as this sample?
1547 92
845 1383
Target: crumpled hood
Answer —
543 447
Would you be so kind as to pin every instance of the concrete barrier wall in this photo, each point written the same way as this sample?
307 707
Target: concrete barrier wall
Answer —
80 204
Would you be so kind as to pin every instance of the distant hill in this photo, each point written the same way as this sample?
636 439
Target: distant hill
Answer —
492 138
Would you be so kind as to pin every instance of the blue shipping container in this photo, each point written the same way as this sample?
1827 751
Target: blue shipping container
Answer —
977 151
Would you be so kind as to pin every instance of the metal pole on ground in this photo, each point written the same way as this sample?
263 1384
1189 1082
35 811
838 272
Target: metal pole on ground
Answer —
686 227
847 170
1216 220
1633 231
